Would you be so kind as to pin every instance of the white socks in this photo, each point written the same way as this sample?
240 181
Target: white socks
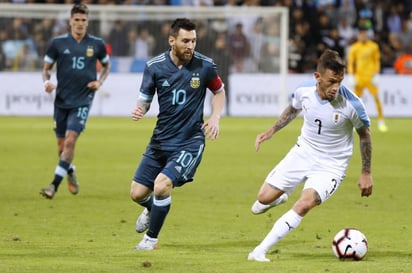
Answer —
285 224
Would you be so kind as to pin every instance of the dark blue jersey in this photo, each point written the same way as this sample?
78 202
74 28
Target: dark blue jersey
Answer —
76 67
181 95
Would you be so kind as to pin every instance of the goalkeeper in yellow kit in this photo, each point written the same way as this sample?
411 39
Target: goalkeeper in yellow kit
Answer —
363 70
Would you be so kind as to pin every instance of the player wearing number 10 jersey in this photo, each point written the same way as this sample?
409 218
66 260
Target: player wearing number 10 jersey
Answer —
180 77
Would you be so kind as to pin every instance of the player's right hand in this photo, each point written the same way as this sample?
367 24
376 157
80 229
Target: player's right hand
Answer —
49 87
137 113
262 137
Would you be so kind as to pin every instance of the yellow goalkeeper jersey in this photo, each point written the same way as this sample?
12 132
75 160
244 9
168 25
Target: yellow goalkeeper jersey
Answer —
364 59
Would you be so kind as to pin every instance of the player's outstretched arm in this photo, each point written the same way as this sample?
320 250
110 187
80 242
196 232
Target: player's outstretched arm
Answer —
285 118
365 181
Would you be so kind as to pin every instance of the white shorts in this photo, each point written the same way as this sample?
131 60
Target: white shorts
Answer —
298 167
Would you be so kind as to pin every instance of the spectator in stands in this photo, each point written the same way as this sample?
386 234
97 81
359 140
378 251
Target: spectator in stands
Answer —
270 52
346 31
161 34
347 11
239 48
335 42
143 44
403 63
17 30
118 38
405 35
394 20
257 36
25 60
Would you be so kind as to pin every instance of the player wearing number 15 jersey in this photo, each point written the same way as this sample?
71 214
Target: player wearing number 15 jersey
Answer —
76 55
321 155
180 77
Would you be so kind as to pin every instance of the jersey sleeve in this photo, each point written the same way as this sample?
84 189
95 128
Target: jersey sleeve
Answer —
102 56
147 88
52 53
214 82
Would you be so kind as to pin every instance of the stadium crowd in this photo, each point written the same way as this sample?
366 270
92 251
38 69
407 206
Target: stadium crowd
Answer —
314 25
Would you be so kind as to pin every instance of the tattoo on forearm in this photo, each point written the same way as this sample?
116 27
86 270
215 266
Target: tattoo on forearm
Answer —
287 116
366 154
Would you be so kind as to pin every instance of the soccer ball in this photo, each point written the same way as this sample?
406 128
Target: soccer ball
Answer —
350 244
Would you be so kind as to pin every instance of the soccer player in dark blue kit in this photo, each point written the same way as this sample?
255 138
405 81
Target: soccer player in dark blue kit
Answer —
76 55
180 77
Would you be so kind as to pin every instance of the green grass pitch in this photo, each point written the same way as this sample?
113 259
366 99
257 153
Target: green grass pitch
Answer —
209 228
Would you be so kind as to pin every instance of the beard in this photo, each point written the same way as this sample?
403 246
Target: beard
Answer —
184 56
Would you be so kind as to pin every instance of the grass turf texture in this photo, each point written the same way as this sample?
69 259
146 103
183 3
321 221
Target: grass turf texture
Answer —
210 227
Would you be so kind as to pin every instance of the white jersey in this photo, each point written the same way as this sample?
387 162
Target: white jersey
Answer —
327 131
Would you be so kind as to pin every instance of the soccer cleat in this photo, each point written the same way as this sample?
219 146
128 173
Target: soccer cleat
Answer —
72 183
258 208
259 257
382 126
147 243
48 192
142 223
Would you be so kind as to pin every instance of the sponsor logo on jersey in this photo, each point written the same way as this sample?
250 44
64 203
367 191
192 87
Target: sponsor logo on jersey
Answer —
178 168
195 81
89 51
165 83
66 51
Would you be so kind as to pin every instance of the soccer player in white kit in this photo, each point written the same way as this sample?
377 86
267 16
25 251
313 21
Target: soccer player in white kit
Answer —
321 155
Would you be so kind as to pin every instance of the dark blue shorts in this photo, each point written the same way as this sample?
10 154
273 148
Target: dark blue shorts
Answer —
180 165
73 119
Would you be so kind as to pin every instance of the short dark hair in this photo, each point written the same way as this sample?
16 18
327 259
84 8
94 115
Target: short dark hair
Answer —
181 23
330 59
80 8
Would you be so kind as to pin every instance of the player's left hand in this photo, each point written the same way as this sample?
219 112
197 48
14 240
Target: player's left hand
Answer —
365 184
211 127
94 85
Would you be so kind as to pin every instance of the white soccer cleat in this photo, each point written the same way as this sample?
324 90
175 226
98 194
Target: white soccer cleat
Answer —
142 223
258 208
258 257
382 126
147 243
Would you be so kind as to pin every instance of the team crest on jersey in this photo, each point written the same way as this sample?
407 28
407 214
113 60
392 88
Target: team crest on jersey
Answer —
89 51
336 117
195 81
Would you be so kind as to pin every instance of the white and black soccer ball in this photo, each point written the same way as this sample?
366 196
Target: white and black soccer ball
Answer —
350 244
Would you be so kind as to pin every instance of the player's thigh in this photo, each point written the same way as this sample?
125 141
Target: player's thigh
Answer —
60 116
77 118
150 166
182 164
324 183
291 170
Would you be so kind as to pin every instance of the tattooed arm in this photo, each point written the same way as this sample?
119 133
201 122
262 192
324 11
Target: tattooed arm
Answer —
365 181
285 118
